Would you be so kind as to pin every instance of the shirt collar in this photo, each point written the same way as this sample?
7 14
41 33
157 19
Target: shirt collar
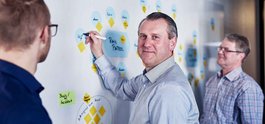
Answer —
231 75
27 79
158 70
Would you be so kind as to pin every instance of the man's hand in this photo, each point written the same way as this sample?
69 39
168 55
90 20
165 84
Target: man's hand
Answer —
95 44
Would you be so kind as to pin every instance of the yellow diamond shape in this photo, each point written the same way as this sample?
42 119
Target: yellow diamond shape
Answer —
180 59
81 46
212 27
97 119
205 63
102 110
174 16
111 22
86 98
125 24
93 110
87 118
197 81
94 68
195 53
144 8
180 47
99 26
202 76
194 41
123 39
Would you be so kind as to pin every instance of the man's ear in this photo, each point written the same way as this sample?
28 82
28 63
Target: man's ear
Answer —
173 42
242 55
44 34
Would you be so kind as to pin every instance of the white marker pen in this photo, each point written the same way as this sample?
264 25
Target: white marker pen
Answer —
97 36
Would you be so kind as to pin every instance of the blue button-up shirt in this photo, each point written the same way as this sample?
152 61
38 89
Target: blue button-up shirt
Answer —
235 98
19 97
161 96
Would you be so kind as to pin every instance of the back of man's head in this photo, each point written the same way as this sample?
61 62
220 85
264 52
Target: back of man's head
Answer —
19 22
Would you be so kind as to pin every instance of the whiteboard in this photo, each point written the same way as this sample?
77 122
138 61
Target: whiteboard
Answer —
74 93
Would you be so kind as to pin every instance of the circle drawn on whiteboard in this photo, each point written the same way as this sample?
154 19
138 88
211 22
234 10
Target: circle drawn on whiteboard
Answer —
97 20
79 37
96 111
116 44
125 19
110 14
158 6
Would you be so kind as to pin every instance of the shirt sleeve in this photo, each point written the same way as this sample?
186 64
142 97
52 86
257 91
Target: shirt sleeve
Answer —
170 105
120 86
250 103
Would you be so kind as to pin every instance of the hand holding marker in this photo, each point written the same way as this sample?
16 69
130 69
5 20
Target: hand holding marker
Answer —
97 36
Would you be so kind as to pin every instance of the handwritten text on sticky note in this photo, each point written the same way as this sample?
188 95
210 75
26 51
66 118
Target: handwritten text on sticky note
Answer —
66 98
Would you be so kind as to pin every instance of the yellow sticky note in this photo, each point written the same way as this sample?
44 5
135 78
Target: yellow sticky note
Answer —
99 26
205 63
194 41
87 118
144 8
125 24
180 59
94 68
123 39
174 16
81 46
196 82
111 22
202 76
102 111
213 27
97 118
181 47
93 110
86 98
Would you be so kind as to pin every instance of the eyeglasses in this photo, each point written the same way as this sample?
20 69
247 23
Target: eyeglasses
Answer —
226 50
53 28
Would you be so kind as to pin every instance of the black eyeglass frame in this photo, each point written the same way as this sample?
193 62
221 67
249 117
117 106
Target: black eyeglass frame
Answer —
56 29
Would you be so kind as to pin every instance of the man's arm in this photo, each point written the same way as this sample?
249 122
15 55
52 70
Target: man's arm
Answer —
120 86
250 103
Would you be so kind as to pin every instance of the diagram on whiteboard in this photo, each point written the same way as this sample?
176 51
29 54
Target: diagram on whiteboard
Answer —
94 110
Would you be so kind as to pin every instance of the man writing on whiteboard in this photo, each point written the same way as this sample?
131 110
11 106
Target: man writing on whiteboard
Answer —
25 36
162 94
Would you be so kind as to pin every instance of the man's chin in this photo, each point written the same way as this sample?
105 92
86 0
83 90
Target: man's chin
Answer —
42 58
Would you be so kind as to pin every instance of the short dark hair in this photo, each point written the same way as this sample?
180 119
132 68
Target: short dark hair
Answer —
20 20
172 27
242 42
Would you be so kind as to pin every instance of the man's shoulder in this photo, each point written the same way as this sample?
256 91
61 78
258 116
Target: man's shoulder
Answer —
12 91
27 113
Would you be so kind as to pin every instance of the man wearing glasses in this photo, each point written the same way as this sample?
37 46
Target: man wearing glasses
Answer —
25 37
232 96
